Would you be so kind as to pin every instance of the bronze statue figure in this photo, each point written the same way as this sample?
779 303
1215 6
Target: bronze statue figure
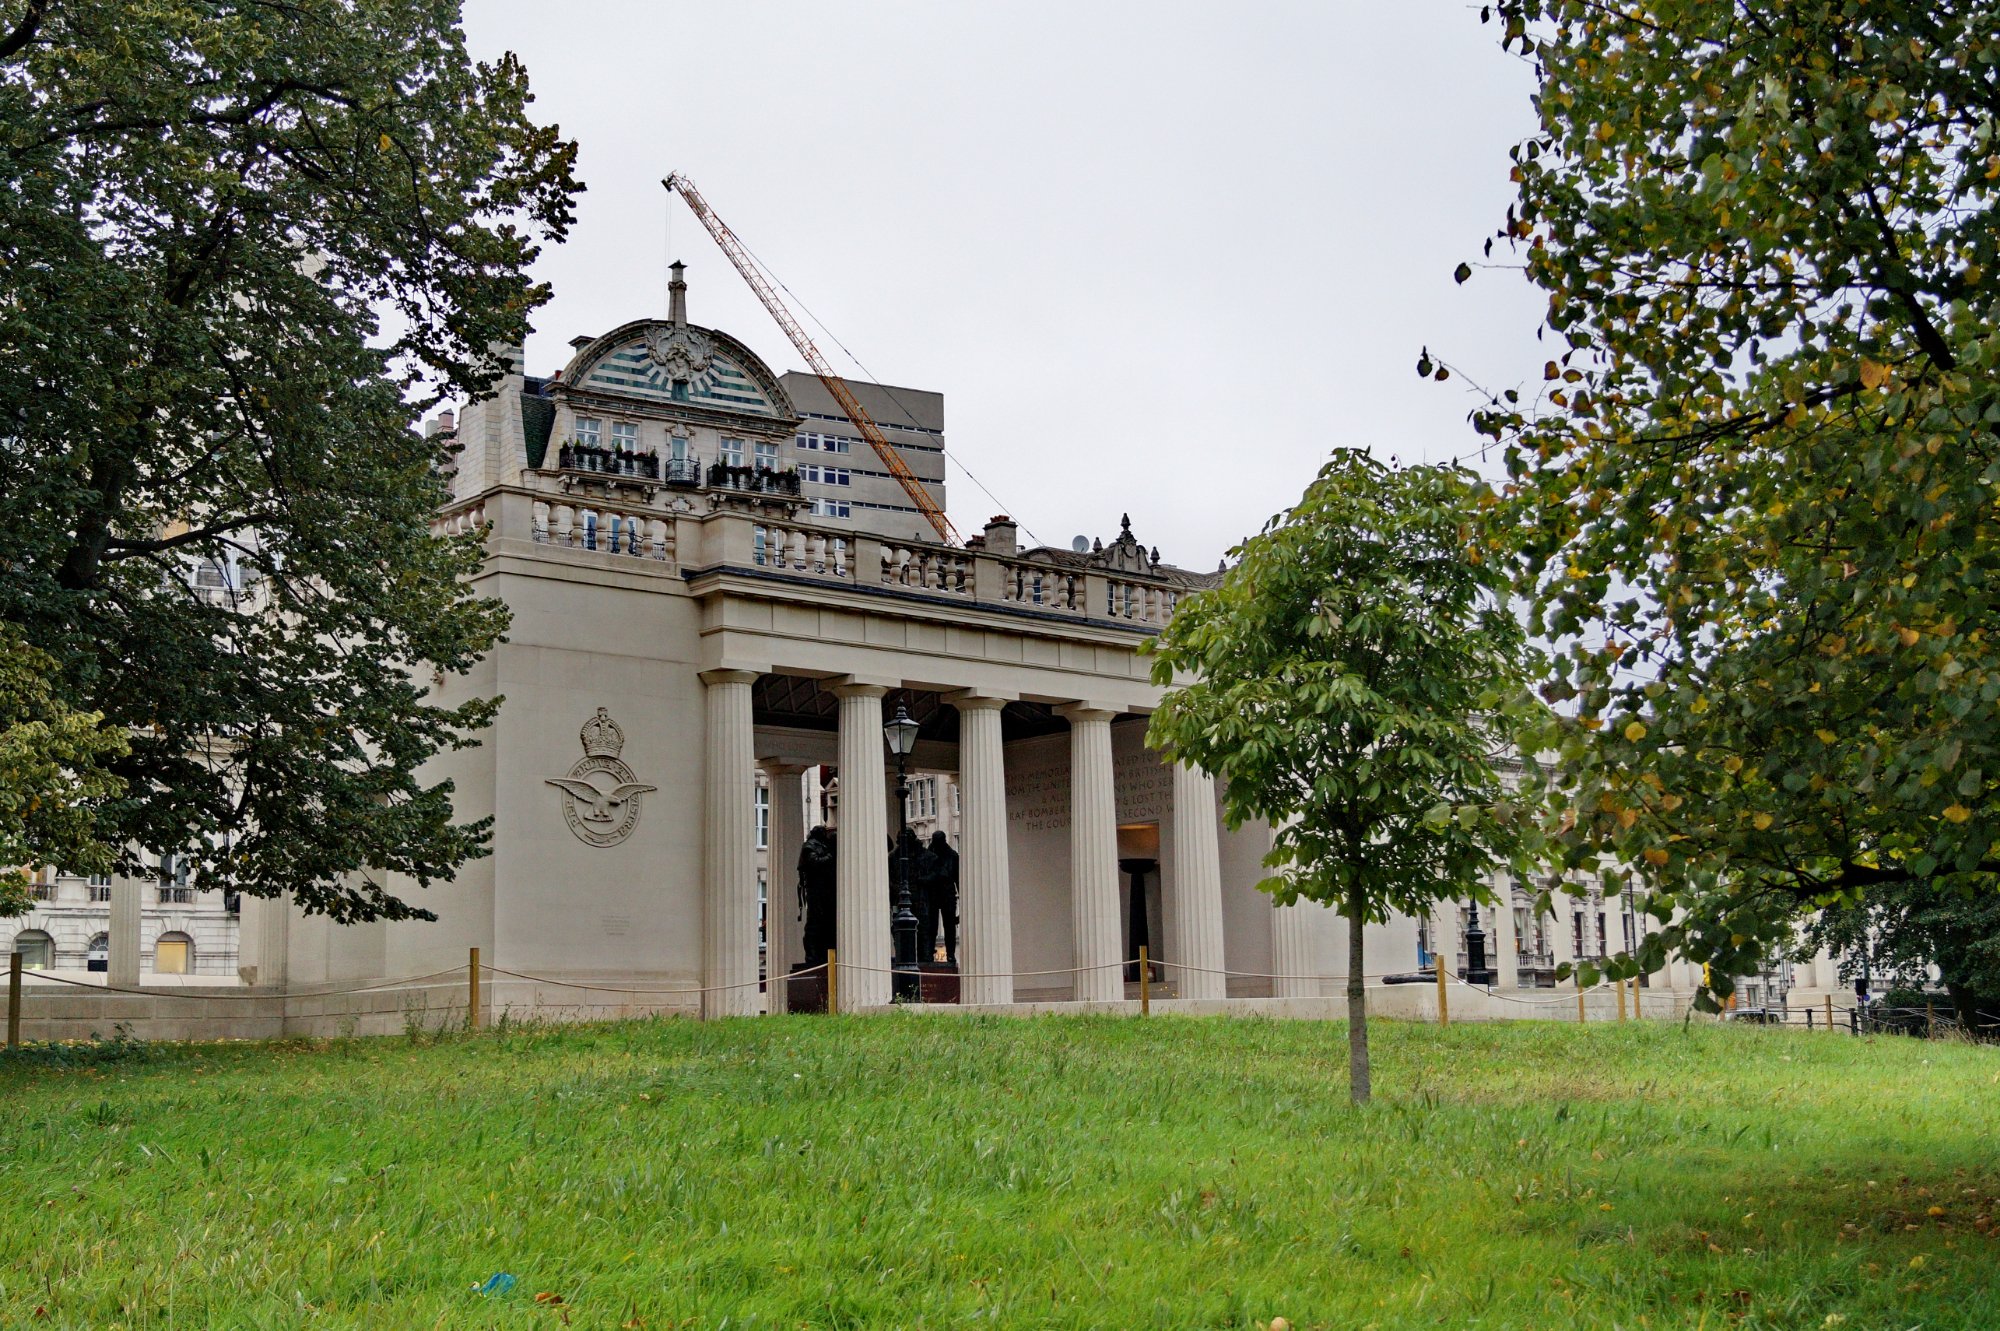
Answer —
817 892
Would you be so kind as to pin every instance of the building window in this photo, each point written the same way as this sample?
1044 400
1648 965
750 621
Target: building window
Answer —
819 475
922 803
97 956
679 448
625 436
758 545
766 451
832 508
590 531
173 954
589 431
732 452
100 887
1576 931
1037 595
824 443
763 817
37 949
174 889
1600 934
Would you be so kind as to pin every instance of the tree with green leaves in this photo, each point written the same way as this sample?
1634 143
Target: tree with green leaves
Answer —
1758 481
54 770
1904 932
1351 683
242 244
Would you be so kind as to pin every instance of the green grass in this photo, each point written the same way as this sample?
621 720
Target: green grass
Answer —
1066 1172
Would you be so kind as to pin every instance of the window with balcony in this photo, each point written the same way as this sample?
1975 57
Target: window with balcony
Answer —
100 887
590 432
625 436
732 452
766 454
174 887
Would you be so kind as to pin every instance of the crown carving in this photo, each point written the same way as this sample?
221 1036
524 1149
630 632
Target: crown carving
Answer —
601 736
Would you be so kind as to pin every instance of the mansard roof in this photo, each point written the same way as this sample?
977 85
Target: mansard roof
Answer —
656 362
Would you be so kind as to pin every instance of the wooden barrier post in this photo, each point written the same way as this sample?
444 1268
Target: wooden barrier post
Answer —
832 982
472 991
1930 1018
14 1000
1620 984
1638 1010
1581 1013
1829 1012
1145 984
1444 1004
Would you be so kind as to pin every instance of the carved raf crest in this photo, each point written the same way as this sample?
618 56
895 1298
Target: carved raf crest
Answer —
600 800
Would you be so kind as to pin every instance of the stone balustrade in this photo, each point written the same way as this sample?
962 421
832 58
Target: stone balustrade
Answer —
799 549
592 525
766 533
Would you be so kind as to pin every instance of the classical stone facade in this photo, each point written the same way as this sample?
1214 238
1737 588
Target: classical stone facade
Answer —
694 650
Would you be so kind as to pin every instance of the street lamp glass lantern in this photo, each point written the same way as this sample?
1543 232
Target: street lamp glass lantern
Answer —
901 732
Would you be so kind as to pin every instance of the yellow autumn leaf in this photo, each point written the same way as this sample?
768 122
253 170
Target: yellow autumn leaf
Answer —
1957 813
386 143
1827 736
1732 764
1635 732
1762 822
1909 636
1872 374
1699 705
1655 856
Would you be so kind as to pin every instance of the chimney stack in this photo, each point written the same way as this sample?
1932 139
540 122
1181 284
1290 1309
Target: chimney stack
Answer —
1000 536
677 295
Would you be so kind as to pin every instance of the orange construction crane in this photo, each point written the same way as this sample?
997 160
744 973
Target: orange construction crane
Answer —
733 248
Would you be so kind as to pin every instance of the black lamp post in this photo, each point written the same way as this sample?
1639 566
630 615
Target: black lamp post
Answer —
1476 971
901 732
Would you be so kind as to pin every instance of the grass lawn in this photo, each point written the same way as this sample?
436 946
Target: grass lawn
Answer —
1086 1172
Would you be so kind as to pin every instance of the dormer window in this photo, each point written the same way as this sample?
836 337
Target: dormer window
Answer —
590 432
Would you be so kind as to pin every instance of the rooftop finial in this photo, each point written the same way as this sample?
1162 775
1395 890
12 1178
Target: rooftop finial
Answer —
677 295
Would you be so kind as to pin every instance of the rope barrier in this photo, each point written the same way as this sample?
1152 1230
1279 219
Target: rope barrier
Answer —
615 989
225 996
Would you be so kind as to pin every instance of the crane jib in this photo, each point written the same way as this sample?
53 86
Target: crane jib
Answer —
739 257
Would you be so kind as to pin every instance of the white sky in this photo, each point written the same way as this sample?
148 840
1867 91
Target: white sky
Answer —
1158 257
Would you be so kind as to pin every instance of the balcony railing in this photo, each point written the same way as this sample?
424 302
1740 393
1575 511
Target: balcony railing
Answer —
752 480
608 462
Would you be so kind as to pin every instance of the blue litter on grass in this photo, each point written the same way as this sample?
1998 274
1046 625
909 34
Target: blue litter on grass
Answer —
500 1283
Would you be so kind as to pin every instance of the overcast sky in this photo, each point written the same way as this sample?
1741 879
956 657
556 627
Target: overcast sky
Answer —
1158 257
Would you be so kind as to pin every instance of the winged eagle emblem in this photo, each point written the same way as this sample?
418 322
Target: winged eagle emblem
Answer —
599 806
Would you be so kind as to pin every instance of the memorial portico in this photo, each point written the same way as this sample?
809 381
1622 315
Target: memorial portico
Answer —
685 621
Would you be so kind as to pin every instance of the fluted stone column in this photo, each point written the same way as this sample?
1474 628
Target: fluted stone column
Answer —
1293 957
861 859
729 850
1503 949
122 965
1197 935
1562 941
1093 857
783 942
985 888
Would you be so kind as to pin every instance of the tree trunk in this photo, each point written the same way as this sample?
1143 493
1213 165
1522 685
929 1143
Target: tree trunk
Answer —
1963 1004
1357 1003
